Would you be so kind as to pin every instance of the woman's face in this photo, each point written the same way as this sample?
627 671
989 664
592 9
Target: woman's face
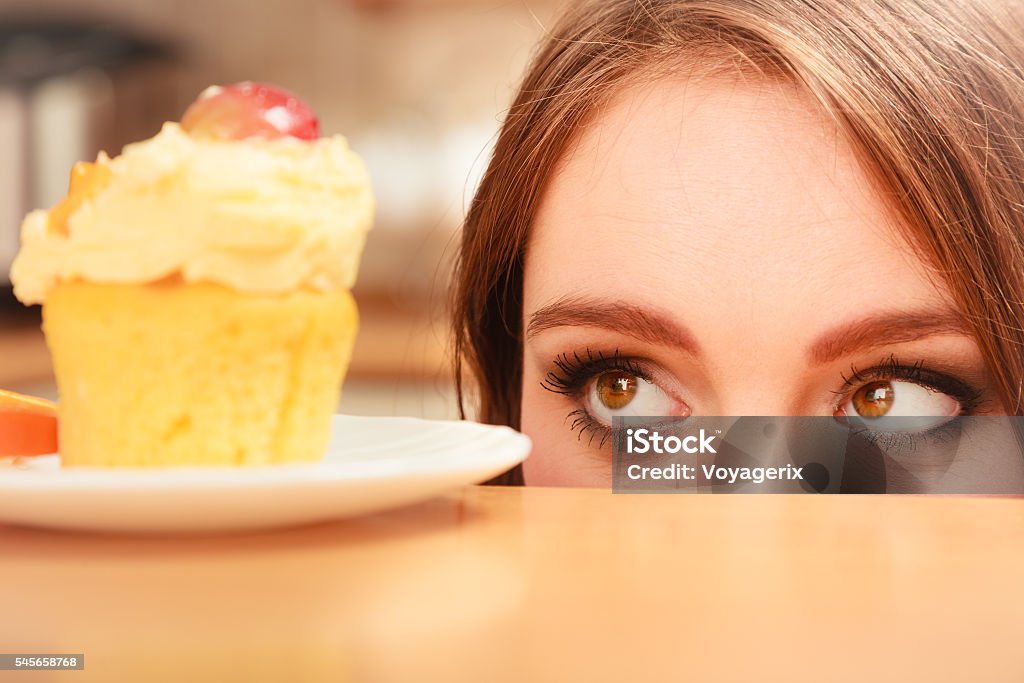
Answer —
711 247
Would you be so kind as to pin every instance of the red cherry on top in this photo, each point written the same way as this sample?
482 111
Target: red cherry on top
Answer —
249 110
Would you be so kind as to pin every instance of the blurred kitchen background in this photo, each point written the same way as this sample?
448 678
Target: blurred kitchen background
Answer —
418 87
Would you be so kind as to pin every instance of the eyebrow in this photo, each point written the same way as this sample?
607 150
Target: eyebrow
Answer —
652 326
643 324
883 329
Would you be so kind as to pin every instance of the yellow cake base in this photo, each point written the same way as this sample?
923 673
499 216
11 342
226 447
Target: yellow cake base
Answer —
195 374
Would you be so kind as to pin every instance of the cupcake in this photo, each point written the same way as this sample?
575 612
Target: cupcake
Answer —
196 288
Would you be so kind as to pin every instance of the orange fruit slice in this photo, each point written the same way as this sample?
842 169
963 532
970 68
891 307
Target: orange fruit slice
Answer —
87 180
28 425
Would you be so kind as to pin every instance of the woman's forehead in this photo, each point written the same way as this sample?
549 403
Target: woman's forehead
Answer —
739 193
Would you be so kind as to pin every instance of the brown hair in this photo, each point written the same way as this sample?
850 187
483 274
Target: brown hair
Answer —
929 92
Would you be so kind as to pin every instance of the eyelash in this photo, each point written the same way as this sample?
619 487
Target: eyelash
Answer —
898 443
891 368
570 377
573 372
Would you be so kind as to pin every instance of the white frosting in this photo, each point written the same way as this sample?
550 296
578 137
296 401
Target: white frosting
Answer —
260 216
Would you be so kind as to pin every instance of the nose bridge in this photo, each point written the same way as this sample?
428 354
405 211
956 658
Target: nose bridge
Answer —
760 397
758 440
757 368
812 449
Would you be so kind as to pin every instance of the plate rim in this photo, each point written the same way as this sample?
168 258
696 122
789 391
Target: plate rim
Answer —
51 477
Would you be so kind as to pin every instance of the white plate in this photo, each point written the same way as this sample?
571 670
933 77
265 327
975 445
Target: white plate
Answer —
373 463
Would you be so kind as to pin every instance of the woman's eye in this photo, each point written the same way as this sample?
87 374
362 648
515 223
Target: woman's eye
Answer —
616 393
898 399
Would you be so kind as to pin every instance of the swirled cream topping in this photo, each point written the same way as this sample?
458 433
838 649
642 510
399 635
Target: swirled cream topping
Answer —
262 216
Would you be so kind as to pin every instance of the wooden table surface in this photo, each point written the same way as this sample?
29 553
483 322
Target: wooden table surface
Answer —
542 584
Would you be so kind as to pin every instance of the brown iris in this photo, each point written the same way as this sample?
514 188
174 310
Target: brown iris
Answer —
874 399
616 389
